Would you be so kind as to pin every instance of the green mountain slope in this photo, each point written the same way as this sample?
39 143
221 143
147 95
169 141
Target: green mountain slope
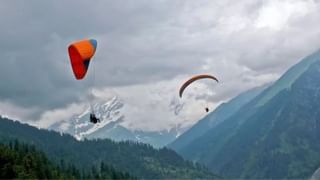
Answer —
222 112
21 161
140 160
275 135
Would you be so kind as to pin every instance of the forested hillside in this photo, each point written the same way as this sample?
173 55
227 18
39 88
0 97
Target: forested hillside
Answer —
22 161
140 160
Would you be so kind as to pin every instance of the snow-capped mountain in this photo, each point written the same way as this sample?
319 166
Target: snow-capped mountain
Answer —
111 115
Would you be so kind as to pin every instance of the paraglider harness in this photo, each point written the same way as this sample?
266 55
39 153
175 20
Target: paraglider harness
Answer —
93 118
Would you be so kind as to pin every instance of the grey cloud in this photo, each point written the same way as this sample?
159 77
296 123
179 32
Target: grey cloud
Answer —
142 42
35 70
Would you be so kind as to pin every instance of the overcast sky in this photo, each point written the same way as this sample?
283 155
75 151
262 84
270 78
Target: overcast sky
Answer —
146 49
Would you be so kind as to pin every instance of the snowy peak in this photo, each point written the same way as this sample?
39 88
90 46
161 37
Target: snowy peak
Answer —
79 126
111 115
107 112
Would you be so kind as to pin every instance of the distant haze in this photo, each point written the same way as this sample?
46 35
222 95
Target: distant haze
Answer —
146 49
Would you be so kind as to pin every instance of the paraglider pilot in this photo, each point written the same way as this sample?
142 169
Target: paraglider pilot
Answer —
93 118
195 78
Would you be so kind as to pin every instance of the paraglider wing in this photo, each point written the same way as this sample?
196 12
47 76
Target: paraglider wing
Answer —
195 78
80 54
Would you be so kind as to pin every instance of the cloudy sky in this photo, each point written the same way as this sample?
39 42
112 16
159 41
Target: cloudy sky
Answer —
146 49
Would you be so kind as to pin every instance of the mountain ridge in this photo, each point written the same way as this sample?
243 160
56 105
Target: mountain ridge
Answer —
278 138
221 113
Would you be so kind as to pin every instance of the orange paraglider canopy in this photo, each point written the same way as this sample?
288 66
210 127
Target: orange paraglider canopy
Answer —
80 53
195 78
